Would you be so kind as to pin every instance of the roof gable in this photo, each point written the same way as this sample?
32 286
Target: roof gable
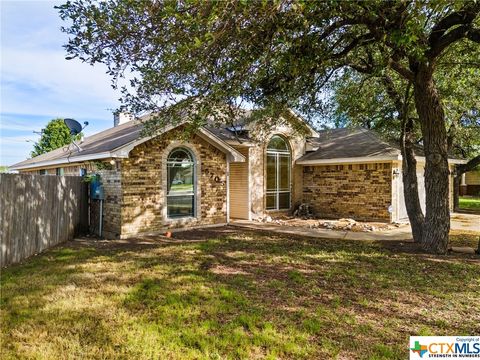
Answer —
114 142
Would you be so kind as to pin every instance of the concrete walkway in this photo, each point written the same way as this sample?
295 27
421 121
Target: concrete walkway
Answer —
402 233
467 222
470 222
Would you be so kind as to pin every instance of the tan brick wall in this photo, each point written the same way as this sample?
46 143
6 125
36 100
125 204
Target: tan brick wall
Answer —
144 180
257 160
472 177
112 204
359 191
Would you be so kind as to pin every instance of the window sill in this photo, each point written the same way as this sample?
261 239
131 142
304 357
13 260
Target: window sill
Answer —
186 219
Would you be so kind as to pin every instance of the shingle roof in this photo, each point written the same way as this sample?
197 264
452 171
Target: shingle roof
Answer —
350 143
104 141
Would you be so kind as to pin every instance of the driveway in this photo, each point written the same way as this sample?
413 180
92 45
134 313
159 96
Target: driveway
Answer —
469 222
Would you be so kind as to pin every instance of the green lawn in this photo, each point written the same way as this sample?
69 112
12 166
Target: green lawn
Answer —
234 294
469 203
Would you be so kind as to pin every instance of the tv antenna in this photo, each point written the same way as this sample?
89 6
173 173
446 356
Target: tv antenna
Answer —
75 129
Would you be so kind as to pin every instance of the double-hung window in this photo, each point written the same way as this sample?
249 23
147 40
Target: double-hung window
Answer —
278 174
181 184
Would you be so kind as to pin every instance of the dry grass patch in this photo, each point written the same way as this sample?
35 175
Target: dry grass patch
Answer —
234 294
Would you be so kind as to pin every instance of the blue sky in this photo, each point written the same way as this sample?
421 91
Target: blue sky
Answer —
38 84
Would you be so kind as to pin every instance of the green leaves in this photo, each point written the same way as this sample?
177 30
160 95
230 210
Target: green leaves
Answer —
266 54
55 135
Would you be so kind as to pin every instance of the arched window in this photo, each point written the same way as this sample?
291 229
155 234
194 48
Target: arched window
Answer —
181 183
278 174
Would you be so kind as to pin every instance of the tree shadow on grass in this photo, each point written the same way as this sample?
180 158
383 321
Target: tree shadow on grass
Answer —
241 294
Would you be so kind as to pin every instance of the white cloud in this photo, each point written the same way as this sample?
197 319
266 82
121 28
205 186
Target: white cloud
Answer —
18 139
36 78
39 84
43 82
4 125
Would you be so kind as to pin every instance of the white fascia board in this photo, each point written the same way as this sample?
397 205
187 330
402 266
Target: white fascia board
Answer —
457 161
234 155
313 131
421 159
65 160
237 143
365 159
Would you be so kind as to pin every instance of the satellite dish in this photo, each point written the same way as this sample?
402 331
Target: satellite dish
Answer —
75 129
74 126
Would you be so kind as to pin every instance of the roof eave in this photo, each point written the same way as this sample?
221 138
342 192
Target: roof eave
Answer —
234 155
312 130
350 160
61 161
365 159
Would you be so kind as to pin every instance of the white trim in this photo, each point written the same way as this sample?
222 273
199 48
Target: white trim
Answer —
197 212
422 159
124 151
233 154
348 160
193 194
277 155
313 131
368 159
206 135
69 160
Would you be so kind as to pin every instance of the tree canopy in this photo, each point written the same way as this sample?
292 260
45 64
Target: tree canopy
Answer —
55 135
199 56
362 100
266 53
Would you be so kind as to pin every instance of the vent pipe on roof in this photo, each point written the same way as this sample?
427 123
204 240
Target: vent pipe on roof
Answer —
120 118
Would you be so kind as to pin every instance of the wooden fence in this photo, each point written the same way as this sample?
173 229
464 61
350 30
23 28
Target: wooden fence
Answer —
38 212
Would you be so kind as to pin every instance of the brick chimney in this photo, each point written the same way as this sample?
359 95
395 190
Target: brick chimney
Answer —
120 118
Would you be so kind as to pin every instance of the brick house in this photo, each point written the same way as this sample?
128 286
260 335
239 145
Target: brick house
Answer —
470 183
242 172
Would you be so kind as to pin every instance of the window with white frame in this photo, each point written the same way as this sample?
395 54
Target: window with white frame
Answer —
181 183
278 174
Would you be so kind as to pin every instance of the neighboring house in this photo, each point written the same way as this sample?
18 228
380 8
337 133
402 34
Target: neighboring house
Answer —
240 172
470 183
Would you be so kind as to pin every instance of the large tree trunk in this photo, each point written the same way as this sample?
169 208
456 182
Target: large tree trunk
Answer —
432 119
410 184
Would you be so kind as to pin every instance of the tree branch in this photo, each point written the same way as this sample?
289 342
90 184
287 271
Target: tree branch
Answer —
462 17
361 40
472 164
474 35
407 74
460 22
446 40
393 94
